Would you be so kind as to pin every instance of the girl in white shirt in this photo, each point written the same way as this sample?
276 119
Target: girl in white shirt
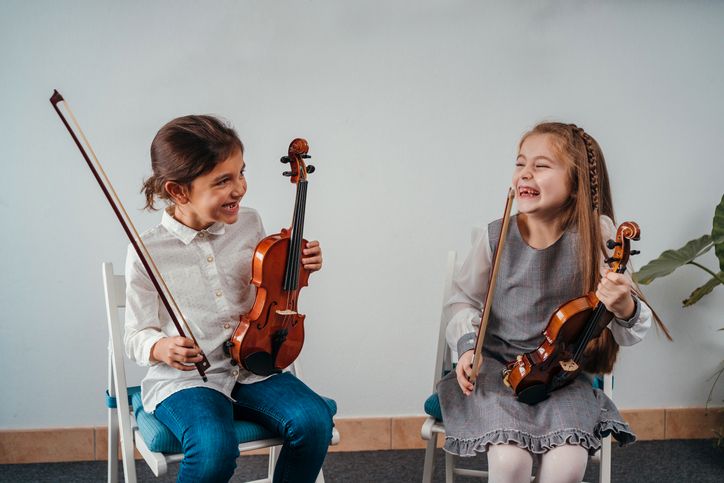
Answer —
203 248
554 252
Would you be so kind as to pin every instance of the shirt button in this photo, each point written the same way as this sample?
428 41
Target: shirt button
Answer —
226 326
218 293
210 258
235 373
202 234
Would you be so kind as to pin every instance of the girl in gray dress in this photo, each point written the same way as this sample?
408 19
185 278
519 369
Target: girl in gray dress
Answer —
554 252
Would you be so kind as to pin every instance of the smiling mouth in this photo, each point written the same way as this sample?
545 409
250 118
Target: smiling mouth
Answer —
526 192
230 206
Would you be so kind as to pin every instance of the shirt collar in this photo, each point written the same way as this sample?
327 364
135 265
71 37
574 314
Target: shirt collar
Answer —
183 232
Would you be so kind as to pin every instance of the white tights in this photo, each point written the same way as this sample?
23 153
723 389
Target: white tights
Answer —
508 463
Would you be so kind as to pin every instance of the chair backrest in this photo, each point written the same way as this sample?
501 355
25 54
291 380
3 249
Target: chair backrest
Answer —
115 292
443 358
445 355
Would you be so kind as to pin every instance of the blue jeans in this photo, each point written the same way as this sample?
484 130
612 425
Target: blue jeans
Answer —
201 419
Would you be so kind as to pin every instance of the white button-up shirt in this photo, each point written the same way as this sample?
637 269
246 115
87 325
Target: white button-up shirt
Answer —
208 273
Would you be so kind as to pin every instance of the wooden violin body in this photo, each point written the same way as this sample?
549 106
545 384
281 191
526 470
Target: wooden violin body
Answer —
270 337
553 364
559 358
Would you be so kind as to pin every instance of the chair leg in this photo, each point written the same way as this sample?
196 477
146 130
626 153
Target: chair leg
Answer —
605 473
449 468
112 446
429 465
320 477
273 456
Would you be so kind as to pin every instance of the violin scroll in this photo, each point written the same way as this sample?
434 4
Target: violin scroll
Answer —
297 153
626 232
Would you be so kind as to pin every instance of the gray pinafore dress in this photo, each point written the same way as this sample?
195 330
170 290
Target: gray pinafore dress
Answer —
531 285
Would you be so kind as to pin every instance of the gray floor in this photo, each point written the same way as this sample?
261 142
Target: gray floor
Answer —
647 461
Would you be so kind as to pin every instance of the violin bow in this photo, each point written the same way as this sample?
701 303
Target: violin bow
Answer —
478 354
105 184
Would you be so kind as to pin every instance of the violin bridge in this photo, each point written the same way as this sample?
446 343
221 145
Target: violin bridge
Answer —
506 381
569 365
285 312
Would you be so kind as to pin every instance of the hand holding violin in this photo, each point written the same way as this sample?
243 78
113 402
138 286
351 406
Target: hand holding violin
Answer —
614 290
312 259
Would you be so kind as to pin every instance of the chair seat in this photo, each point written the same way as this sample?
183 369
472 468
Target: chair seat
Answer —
160 439
432 407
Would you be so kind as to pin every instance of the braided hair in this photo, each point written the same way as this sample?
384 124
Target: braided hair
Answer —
592 164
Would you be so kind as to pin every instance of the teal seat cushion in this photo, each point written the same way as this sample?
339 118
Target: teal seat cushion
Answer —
160 439
432 407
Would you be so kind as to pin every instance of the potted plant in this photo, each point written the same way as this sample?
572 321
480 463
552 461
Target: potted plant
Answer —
670 260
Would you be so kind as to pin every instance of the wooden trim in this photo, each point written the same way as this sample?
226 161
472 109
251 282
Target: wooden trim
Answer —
357 434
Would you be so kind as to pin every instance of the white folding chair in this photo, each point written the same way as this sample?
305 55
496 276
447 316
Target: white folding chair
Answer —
121 420
432 426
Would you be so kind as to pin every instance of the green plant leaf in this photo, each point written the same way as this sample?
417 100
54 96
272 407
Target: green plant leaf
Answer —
670 260
717 232
703 290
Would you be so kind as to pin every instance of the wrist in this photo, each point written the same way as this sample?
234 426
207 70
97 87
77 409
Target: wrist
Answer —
153 357
629 310
633 318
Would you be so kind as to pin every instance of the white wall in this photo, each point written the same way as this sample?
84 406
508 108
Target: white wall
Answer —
412 110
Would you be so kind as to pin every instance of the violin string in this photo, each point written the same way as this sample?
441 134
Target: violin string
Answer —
299 229
293 258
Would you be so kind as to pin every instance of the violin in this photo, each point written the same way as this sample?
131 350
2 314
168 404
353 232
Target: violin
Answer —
270 337
559 358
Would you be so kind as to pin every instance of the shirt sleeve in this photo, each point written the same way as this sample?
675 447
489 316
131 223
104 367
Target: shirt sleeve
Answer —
633 330
261 230
142 327
464 308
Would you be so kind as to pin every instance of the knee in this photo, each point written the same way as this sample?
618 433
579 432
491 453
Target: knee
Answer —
309 426
212 454
509 463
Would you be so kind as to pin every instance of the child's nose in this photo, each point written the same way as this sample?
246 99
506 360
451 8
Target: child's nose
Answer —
526 172
240 187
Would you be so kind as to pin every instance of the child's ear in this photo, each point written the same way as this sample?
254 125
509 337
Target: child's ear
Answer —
179 193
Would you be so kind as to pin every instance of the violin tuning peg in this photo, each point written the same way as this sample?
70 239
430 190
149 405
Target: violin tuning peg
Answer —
612 259
287 173
284 159
635 252
310 169
305 156
612 244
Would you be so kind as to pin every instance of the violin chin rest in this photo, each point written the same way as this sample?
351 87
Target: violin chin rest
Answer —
533 394
260 363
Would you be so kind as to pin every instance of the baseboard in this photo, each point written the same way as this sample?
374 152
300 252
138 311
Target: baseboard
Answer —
357 434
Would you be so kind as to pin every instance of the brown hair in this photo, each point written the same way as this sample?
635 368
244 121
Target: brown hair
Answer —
184 149
590 198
